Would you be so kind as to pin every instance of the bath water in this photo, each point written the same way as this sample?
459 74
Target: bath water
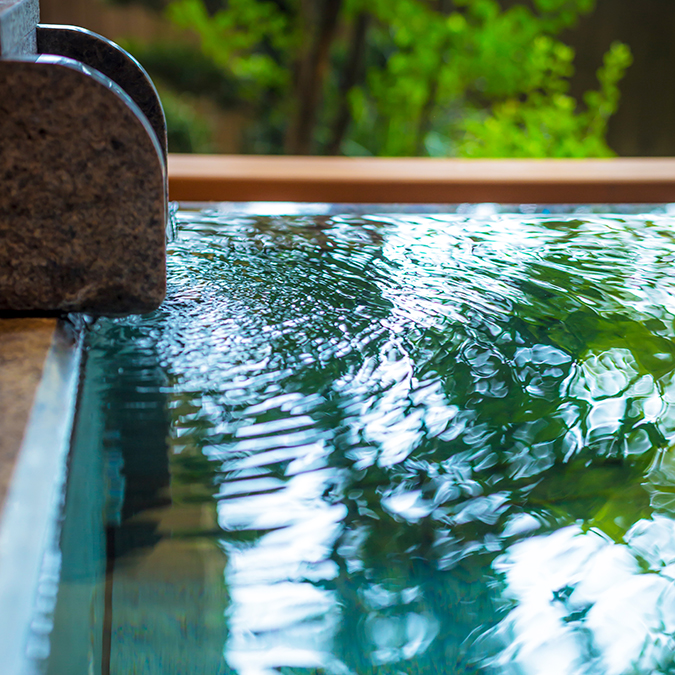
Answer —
393 444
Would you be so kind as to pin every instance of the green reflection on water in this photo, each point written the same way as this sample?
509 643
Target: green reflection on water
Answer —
358 425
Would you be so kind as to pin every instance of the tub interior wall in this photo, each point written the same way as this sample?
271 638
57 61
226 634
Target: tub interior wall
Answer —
77 638
119 604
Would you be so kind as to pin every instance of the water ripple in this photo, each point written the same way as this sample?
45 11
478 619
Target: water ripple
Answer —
435 443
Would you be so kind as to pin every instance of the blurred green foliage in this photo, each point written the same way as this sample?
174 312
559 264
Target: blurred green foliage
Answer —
547 123
474 78
186 68
186 130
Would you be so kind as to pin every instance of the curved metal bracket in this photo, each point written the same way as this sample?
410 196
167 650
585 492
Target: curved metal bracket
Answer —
110 59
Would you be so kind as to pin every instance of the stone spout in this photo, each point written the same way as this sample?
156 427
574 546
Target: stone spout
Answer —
83 190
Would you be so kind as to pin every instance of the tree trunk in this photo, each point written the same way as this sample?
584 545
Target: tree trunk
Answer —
357 49
424 122
311 75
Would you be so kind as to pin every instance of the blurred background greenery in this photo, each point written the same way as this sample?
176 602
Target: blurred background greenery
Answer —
445 78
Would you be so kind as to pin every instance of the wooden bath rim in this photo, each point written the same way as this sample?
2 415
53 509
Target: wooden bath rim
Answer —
414 180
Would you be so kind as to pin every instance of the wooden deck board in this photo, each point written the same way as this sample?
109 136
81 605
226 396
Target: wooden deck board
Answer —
24 344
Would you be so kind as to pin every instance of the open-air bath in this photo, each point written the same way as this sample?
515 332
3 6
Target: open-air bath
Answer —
352 439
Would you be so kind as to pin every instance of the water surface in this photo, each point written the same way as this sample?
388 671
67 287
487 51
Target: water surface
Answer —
396 444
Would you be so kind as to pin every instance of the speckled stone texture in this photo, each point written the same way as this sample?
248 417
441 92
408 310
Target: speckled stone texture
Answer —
82 193
111 60
18 19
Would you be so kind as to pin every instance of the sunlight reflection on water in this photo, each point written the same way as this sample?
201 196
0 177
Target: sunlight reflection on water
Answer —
429 444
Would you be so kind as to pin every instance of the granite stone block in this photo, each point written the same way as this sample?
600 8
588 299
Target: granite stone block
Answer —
82 193
28 45
18 19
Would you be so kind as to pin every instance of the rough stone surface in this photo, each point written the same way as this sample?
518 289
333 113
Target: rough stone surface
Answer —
28 45
18 19
82 194
111 60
